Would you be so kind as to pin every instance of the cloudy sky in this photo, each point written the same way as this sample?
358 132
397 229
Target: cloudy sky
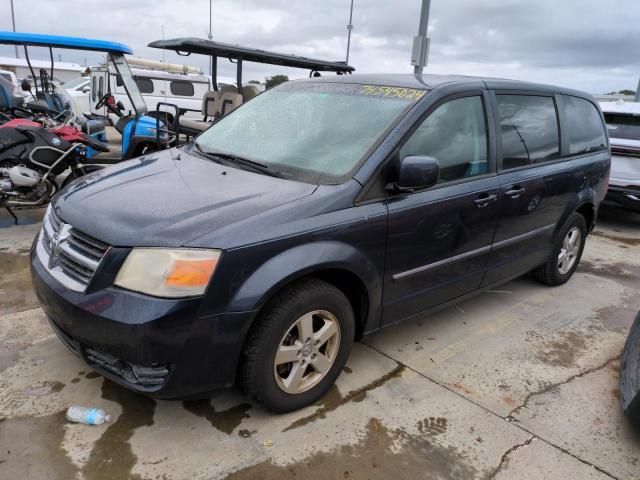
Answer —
590 45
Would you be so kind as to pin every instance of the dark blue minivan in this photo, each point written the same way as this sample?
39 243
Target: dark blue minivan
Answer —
318 212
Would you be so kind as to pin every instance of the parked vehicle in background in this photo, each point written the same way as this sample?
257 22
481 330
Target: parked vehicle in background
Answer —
156 86
65 71
79 90
630 374
623 124
320 211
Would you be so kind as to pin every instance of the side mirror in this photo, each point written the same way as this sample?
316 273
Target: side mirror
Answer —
86 89
417 172
120 105
25 85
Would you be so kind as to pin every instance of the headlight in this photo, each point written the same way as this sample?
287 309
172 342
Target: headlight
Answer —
171 273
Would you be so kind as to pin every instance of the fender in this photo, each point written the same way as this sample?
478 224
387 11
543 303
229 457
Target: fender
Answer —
305 259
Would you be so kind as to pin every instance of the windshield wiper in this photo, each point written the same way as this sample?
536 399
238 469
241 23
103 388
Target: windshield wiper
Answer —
260 167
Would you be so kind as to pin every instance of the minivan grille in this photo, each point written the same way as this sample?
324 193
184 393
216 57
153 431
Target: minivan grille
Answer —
70 255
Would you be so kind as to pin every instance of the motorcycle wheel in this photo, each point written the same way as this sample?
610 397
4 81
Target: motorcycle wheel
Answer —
630 373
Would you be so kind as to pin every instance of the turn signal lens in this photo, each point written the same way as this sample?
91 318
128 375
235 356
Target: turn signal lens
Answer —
191 273
168 273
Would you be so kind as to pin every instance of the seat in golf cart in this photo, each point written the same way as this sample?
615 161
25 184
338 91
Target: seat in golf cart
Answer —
215 104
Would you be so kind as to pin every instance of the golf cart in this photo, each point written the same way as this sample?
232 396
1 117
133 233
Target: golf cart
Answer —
140 132
220 101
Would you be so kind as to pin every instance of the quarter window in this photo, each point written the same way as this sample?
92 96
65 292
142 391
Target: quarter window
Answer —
182 88
584 125
529 130
456 135
145 85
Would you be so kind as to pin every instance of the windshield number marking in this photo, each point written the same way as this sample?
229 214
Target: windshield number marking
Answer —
392 92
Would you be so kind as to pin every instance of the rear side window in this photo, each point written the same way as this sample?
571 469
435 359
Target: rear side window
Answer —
623 126
456 135
182 88
529 130
585 130
144 85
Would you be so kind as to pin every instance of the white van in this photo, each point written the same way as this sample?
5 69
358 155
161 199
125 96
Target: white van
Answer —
182 89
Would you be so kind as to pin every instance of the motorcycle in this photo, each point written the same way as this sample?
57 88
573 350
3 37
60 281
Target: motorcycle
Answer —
36 162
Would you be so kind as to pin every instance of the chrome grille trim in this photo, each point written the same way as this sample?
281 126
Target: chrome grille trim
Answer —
70 256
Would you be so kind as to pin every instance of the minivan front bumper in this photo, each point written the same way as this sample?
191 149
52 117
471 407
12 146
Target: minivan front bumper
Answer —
159 347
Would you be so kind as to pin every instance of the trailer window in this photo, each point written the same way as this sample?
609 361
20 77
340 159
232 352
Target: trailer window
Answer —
93 88
181 88
144 84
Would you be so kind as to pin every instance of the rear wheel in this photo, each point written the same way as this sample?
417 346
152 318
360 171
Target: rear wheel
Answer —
630 373
298 346
566 252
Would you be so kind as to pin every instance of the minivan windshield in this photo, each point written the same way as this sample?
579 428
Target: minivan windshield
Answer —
311 132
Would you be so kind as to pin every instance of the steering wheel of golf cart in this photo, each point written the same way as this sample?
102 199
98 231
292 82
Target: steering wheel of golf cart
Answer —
104 101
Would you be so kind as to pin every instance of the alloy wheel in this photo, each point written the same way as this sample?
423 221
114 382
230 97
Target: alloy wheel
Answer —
570 250
307 351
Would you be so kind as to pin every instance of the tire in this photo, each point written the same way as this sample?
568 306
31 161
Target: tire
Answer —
630 373
279 328
551 272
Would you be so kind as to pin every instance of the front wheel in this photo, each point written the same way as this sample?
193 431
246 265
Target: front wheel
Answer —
566 252
298 346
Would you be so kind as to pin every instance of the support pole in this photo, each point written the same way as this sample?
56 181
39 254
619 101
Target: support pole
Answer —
239 75
13 24
421 42
637 99
349 28
214 72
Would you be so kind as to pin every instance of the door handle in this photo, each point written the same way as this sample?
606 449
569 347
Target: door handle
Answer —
515 192
485 200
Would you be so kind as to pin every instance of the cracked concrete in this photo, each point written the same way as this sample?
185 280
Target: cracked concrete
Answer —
520 382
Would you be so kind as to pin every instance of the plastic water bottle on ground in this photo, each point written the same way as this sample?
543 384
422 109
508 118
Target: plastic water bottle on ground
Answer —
88 416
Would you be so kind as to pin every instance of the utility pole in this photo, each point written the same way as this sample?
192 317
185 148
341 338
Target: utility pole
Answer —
210 8
637 99
420 52
13 23
349 28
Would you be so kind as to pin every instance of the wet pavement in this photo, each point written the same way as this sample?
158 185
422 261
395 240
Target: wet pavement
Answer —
519 382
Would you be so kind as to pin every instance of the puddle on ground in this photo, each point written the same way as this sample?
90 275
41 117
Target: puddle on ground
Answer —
333 399
380 453
112 456
564 348
15 282
226 420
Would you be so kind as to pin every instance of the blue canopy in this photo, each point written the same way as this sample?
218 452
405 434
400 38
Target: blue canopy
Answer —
59 41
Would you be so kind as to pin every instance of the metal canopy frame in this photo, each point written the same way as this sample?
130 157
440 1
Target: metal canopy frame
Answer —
238 54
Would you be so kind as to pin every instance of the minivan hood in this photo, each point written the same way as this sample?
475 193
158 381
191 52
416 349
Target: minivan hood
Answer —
169 198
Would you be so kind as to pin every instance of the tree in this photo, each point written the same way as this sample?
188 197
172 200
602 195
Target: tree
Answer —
276 80
254 82
627 92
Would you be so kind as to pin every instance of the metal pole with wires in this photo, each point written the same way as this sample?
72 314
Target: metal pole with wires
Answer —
13 24
420 52
349 28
